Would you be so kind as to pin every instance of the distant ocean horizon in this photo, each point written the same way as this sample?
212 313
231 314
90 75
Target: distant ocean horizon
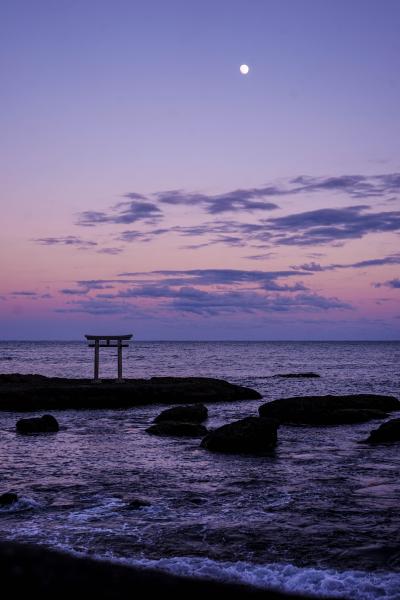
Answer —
222 340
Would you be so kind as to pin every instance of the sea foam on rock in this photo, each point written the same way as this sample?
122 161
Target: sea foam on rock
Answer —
387 432
330 410
196 413
252 435
44 424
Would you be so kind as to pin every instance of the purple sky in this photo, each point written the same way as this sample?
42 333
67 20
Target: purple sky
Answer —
149 187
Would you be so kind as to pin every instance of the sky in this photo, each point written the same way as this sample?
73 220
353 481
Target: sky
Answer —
148 187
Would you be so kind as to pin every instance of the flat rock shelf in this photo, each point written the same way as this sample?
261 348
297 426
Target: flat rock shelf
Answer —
23 393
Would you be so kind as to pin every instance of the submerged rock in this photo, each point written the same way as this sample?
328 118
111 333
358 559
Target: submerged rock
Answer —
44 424
177 429
196 413
137 503
8 498
253 435
387 432
308 375
329 410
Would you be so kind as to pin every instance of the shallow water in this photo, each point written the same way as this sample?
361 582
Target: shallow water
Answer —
319 515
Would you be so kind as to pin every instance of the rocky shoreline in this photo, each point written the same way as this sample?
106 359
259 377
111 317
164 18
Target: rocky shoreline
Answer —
24 393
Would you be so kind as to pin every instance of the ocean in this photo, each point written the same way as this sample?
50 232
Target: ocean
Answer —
320 515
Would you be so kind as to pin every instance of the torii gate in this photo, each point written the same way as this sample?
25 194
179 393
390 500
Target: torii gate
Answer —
103 341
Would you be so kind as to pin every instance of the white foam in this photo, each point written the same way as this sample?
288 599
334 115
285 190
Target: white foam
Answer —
20 505
105 508
357 585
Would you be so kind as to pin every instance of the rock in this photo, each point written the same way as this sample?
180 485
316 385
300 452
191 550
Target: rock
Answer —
44 424
387 432
137 503
253 435
34 392
308 375
177 429
196 413
350 415
329 410
8 498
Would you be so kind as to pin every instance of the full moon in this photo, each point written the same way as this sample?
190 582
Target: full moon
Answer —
244 69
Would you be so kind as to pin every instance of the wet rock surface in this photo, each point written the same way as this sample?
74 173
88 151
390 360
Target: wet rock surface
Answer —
177 429
330 410
189 414
36 392
44 424
386 433
252 435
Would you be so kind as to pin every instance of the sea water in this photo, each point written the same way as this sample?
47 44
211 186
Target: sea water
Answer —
320 515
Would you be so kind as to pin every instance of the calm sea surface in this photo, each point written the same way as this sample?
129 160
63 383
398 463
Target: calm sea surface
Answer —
322 515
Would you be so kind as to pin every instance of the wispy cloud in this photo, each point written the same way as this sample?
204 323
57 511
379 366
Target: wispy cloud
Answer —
238 200
112 251
217 276
122 213
313 267
392 283
329 225
28 294
95 307
202 292
69 240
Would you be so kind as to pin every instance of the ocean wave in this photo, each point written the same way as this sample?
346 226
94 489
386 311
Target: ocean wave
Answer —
357 585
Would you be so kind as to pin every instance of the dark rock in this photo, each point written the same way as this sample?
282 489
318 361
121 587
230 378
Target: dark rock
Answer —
387 432
35 392
197 413
8 498
253 435
309 375
329 410
44 424
350 415
177 429
36 572
137 503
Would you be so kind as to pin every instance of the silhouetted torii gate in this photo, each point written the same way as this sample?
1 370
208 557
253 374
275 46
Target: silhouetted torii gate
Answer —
104 341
